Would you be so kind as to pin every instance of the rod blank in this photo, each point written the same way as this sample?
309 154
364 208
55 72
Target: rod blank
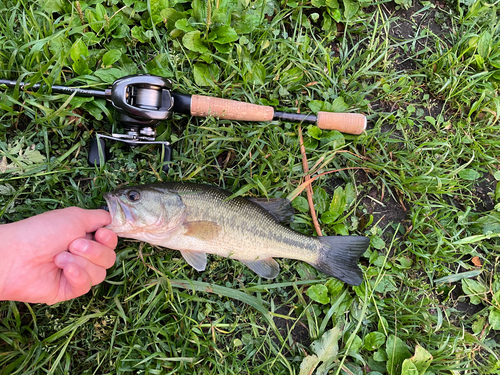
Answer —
59 89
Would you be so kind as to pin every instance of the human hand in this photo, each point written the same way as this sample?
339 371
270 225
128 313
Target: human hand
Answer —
54 256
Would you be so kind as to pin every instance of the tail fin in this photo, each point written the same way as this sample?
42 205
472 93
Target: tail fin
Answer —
339 255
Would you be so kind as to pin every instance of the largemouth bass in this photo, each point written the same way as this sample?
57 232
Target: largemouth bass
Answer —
200 219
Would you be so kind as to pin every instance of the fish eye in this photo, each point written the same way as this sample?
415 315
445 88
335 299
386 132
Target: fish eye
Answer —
133 196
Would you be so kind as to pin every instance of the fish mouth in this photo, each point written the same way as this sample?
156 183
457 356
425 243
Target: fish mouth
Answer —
110 205
121 214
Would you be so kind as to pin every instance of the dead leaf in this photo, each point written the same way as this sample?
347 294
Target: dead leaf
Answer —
476 261
3 164
326 349
20 158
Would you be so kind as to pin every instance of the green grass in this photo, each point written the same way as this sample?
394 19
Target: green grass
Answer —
421 182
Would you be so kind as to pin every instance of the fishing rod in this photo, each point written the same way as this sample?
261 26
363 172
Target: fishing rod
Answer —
142 101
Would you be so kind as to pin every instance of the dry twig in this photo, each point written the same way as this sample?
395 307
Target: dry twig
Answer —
307 178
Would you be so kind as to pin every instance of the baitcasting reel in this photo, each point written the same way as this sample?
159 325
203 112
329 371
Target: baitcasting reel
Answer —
141 103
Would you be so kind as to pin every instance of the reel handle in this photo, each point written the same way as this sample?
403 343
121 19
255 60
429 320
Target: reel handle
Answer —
98 152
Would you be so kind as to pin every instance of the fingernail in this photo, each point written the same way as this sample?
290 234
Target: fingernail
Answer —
64 258
80 245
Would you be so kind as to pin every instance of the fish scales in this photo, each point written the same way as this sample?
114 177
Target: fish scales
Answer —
243 223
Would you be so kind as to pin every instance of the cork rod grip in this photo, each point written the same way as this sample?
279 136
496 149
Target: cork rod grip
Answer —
204 106
351 123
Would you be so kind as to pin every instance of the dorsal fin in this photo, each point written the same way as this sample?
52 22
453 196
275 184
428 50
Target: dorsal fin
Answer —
280 208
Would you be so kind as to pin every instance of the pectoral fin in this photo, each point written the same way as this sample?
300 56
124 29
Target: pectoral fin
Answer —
267 268
202 230
195 259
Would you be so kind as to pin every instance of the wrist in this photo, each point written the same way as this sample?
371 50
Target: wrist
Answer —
7 245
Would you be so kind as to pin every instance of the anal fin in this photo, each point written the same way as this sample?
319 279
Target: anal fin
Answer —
267 268
195 259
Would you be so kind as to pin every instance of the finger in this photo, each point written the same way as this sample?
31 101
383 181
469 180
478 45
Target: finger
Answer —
97 274
106 237
93 251
75 282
